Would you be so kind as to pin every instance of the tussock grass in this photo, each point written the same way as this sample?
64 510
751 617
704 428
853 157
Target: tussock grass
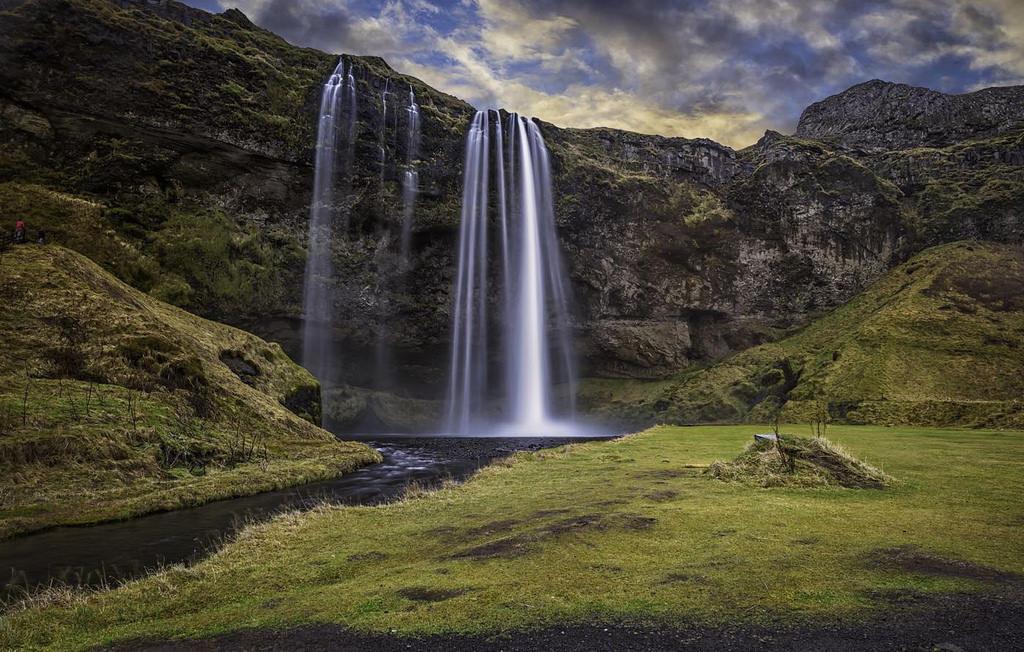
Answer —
799 462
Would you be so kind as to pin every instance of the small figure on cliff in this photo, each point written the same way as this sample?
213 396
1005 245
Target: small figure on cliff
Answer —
41 237
19 232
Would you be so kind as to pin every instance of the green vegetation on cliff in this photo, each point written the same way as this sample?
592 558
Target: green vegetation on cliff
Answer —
194 258
113 404
177 66
938 341
623 532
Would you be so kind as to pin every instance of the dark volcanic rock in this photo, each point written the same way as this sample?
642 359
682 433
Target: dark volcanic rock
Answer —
879 116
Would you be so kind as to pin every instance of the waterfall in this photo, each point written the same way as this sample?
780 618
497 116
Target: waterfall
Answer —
410 182
336 129
536 346
469 328
383 131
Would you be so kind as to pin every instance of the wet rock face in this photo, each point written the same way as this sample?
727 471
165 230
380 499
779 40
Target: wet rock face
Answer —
879 116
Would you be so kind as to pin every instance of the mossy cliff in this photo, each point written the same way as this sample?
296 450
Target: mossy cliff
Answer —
175 148
113 404
938 341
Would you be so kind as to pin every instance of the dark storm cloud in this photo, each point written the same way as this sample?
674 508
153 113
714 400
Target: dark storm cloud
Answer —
321 25
980 23
776 56
725 70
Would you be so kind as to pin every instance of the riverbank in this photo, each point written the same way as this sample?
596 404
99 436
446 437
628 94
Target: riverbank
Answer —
112 553
114 404
627 533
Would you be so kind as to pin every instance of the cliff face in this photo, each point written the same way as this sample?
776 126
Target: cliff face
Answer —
175 148
878 116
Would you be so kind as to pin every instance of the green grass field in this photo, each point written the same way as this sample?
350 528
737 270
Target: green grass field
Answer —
621 531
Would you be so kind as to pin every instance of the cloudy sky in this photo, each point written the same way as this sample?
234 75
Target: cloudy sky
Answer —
720 69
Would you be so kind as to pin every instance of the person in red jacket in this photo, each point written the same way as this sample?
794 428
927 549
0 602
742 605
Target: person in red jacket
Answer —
19 232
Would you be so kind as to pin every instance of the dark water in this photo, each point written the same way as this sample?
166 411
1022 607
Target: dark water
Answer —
113 552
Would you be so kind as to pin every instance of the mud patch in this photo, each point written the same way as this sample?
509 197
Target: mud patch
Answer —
636 522
505 548
604 568
611 503
421 594
723 533
521 544
496 527
577 523
683 578
368 556
911 559
662 496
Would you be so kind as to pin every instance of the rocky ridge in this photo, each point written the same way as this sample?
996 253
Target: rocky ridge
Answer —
878 116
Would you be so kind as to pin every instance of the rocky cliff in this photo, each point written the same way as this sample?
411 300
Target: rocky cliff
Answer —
175 148
878 116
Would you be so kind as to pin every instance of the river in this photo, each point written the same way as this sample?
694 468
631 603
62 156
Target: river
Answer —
110 553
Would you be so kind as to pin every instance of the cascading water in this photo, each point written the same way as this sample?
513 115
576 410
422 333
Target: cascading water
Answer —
410 182
336 130
534 295
383 131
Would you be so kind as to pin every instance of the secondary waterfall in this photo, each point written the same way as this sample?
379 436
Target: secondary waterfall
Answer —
410 181
334 145
535 347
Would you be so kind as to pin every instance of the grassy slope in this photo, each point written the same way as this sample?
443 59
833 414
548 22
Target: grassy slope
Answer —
938 341
80 349
616 531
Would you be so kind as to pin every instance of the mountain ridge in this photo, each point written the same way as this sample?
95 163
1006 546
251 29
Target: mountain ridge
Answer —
878 116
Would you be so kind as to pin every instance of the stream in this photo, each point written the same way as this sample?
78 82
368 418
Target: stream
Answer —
111 553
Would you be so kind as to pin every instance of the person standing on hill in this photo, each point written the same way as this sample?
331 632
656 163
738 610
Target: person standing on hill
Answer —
19 232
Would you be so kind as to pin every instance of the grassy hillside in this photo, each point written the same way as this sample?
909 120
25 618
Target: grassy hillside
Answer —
113 404
628 531
938 341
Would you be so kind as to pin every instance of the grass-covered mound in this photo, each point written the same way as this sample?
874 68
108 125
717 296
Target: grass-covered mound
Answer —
625 531
938 341
789 461
113 404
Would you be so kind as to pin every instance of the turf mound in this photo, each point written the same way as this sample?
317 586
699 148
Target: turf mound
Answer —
799 462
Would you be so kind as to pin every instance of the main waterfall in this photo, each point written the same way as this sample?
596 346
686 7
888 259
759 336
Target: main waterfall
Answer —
535 354
336 131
